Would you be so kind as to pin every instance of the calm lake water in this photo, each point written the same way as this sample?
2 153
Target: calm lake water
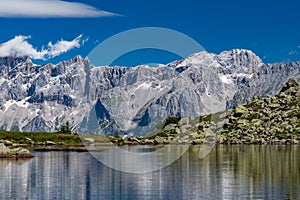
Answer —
228 172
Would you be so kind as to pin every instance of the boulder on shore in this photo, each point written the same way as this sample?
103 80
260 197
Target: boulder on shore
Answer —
16 153
6 142
89 141
50 143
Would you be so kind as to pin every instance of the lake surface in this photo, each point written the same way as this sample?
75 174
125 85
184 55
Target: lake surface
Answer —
228 172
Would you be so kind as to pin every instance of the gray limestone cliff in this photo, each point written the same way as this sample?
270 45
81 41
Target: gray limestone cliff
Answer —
106 100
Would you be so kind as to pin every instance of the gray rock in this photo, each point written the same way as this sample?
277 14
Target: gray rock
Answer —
16 153
50 143
6 142
241 109
89 140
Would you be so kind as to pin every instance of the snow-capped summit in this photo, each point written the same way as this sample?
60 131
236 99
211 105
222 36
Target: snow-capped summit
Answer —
239 61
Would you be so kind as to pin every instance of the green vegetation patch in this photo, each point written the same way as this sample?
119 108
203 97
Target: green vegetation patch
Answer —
38 137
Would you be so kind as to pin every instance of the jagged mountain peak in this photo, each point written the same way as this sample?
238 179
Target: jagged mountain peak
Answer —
76 59
11 66
239 52
239 61
13 61
233 58
241 56
200 58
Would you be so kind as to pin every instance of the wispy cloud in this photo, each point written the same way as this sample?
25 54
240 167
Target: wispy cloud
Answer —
19 47
267 56
64 46
48 9
254 44
293 52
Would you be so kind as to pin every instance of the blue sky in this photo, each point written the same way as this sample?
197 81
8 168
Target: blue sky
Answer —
270 29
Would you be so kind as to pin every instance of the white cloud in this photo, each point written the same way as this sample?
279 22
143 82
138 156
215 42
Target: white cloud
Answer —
48 9
299 46
63 46
19 46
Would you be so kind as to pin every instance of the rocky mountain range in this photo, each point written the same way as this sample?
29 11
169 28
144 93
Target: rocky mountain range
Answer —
106 100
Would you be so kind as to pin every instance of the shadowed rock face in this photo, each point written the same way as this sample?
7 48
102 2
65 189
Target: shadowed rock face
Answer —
104 100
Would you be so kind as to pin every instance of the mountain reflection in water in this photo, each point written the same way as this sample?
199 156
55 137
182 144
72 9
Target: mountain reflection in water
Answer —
269 172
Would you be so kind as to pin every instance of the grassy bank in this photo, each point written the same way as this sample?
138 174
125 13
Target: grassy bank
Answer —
40 138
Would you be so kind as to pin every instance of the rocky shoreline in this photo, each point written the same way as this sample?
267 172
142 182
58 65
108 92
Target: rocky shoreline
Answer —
14 153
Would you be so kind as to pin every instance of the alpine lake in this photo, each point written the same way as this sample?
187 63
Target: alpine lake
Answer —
227 172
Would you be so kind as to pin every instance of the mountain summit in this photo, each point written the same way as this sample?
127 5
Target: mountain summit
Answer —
104 100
